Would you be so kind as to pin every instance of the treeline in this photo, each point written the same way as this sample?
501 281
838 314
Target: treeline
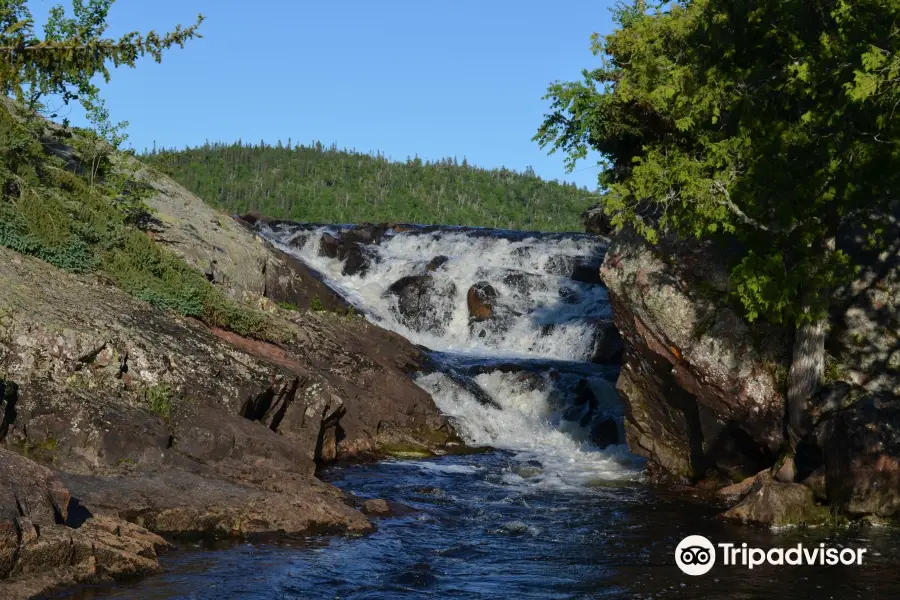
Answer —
324 184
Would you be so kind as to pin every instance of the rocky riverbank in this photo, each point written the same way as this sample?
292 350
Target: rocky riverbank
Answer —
704 390
122 423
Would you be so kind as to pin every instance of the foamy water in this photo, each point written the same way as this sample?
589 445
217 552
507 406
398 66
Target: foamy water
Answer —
542 314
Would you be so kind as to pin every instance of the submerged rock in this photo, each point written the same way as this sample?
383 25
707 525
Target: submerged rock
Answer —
435 263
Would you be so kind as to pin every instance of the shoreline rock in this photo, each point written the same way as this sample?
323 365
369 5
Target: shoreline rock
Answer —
146 423
703 389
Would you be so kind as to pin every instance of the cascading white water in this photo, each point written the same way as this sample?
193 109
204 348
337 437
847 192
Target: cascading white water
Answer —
550 315
539 311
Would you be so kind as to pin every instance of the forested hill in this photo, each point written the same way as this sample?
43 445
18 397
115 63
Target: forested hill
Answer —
319 184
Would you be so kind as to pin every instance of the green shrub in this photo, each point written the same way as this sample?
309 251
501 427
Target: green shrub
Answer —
159 400
81 226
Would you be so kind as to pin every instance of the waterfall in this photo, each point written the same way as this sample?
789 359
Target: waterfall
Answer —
515 321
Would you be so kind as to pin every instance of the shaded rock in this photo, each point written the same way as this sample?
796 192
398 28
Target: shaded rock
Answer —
787 472
862 456
435 263
329 246
608 345
596 221
479 300
377 507
742 488
773 504
188 499
605 433
816 481
356 262
44 545
366 233
587 271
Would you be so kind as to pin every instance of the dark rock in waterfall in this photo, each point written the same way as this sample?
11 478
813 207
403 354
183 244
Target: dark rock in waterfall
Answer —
517 280
608 346
422 303
560 265
435 263
329 246
367 233
605 432
299 240
587 271
479 299
345 248
357 261
584 269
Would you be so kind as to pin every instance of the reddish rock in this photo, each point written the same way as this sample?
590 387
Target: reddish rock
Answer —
479 300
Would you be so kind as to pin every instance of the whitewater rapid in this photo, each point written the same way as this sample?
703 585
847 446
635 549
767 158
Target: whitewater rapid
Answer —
543 415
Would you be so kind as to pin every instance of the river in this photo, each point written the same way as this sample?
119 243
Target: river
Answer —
558 508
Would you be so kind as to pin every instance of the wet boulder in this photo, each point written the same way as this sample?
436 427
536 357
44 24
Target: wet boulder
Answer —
607 347
354 256
435 263
604 432
367 233
584 269
480 301
770 503
357 261
587 271
419 305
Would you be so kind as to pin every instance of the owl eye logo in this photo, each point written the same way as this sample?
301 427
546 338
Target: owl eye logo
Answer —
695 555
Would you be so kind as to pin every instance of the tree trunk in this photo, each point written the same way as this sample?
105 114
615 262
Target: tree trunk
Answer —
808 360
807 365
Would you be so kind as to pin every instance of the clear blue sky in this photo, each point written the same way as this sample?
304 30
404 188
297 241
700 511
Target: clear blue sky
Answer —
429 77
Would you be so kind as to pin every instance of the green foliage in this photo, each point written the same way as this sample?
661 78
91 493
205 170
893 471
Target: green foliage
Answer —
159 400
316 305
318 184
81 224
71 53
287 306
763 124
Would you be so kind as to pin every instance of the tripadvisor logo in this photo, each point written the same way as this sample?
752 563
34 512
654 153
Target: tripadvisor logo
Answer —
696 555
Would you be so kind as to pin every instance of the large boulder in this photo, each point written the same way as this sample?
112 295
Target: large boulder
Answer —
422 303
701 386
773 504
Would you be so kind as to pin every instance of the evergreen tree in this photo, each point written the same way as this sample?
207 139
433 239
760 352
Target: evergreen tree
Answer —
766 123
71 52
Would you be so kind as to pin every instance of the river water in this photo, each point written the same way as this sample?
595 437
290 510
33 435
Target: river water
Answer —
558 508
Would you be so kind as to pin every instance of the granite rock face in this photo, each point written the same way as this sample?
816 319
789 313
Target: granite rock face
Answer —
703 388
137 422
